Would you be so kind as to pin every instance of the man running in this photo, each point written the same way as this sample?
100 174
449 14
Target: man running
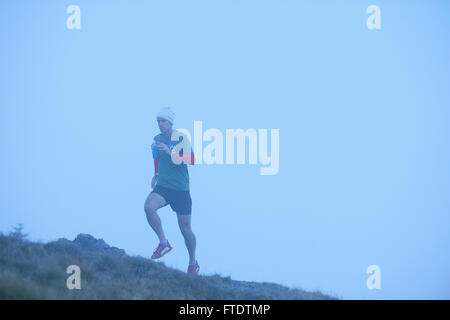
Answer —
170 185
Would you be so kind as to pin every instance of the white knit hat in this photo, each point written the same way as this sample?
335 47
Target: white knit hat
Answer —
167 113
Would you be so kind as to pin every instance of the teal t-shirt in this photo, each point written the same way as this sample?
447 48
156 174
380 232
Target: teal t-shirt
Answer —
170 175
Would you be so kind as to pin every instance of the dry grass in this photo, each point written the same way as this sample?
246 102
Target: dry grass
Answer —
31 270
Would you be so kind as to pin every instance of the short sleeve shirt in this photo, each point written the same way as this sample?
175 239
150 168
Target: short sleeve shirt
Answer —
170 175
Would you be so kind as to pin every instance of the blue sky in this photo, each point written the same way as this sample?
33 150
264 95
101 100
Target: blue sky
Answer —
363 118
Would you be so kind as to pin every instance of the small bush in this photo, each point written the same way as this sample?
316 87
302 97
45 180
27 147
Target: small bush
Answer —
18 232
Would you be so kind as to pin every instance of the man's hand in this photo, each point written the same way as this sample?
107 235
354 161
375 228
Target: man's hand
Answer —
163 147
153 182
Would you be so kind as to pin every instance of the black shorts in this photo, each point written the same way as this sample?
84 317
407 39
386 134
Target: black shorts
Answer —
180 201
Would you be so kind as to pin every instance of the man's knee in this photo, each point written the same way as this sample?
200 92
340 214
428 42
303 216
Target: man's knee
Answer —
149 208
153 203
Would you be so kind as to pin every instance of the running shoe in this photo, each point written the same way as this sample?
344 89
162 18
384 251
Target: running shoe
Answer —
193 269
161 250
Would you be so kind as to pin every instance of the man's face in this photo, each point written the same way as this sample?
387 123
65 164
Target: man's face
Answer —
164 125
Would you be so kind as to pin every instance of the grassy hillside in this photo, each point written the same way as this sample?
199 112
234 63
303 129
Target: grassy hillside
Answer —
31 270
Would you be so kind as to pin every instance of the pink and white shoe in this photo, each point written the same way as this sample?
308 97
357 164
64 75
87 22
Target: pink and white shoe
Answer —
161 250
193 269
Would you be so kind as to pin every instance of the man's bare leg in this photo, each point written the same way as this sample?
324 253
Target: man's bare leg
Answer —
184 222
153 202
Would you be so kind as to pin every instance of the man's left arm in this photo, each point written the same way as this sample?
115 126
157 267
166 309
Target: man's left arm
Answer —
188 158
